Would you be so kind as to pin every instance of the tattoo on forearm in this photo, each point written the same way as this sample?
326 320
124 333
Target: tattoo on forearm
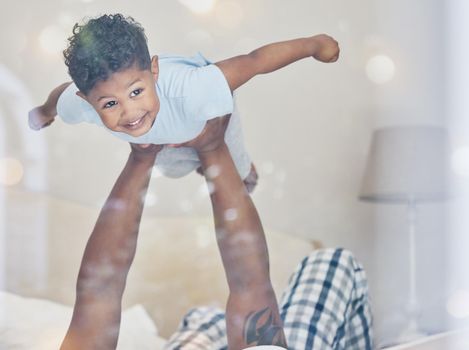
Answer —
259 329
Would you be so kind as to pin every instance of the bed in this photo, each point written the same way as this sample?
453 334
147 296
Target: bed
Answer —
177 266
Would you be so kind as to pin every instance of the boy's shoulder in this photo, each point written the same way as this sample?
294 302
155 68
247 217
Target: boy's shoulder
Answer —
176 74
197 60
181 76
195 85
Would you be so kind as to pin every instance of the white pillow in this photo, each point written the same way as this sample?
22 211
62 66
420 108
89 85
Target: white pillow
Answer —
36 324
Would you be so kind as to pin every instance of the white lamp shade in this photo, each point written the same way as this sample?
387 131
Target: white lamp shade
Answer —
405 164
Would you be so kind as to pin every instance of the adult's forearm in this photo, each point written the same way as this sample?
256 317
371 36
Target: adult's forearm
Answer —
237 223
113 240
252 304
106 262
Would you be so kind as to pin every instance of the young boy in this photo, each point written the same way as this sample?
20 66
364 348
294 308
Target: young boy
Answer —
164 100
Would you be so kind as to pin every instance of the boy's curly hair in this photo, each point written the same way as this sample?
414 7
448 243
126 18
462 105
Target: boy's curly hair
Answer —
102 46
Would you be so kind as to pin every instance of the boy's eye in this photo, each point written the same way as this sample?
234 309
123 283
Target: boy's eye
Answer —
110 104
136 92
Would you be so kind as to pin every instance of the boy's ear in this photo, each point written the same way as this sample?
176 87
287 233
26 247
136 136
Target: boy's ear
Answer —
155 69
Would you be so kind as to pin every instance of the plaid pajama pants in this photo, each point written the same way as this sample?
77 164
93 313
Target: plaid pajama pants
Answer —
325 306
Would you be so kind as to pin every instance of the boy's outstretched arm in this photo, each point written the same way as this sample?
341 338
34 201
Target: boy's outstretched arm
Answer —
108 256
44 115
252 314
238 70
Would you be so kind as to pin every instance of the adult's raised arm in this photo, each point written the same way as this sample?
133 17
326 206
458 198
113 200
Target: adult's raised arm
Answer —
108 256
252 314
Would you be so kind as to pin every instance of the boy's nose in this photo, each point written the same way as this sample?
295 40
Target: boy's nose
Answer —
127 113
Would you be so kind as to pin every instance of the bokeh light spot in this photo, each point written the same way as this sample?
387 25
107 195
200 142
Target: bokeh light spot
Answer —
231 214
213 171
11 171
151 199
52 39
458 304
460 161
229 14
380 69
199 6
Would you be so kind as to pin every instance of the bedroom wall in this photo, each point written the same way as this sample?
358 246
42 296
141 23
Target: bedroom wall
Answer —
457 80
307 127
412 34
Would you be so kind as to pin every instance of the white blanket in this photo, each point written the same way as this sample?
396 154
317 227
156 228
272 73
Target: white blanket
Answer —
36 324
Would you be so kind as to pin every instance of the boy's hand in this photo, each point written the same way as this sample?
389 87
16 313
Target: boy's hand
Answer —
211 137
40 117
324 48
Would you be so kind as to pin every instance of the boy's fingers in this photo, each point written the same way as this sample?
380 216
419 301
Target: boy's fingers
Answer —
34 126
47 124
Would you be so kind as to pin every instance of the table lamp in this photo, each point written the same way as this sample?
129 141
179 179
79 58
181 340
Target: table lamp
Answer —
406 165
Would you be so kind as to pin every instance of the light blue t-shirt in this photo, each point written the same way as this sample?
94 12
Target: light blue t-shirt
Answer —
191 91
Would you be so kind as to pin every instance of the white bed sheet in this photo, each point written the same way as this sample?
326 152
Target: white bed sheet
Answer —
37 324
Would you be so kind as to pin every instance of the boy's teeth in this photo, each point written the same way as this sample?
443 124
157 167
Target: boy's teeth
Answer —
135 122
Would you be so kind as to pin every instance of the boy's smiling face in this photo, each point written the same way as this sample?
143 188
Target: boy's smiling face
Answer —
127 101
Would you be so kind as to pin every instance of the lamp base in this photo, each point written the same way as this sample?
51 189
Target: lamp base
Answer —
411 333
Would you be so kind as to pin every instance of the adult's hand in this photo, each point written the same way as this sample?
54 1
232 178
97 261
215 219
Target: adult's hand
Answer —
145 152
211 137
